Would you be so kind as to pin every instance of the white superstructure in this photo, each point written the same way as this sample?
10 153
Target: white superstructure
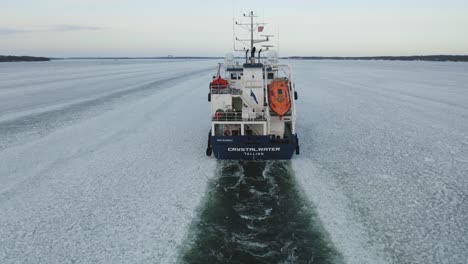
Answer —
253 95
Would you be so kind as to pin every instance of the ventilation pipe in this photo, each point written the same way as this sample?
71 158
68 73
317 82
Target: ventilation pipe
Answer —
252 57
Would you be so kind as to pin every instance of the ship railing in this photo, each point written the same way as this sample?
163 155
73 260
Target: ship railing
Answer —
227 90
236 116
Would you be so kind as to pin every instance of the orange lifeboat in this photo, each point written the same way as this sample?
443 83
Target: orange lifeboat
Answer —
219 83
278 92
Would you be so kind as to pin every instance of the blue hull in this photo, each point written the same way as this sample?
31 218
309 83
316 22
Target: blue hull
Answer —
253 147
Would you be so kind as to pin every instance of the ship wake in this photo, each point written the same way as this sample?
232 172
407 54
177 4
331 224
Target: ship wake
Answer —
254 213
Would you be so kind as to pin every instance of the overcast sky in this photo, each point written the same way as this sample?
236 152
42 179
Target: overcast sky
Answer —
204 27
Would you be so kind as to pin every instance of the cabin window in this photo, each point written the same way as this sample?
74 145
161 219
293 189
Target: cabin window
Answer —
271 76
280 91
233 76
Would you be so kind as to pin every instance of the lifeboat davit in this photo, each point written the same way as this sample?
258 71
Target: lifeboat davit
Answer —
219 83
278 92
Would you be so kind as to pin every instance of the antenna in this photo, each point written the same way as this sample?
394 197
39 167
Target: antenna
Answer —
233 33
233 25
267 47
251 28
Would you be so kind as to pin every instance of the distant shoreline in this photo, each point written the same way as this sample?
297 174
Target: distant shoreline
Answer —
439 58
22 58
139 58
457 58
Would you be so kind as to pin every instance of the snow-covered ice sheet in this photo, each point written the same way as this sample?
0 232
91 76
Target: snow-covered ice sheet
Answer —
118 186
103 161
385 157
37 98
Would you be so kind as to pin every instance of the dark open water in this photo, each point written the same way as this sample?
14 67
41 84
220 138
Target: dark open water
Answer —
254 213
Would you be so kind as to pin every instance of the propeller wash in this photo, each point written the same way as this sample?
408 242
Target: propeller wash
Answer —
253 110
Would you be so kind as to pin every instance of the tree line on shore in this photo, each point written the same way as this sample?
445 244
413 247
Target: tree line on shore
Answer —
22 58
463 58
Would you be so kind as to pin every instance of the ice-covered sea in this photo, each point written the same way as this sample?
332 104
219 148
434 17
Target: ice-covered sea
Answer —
103 161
